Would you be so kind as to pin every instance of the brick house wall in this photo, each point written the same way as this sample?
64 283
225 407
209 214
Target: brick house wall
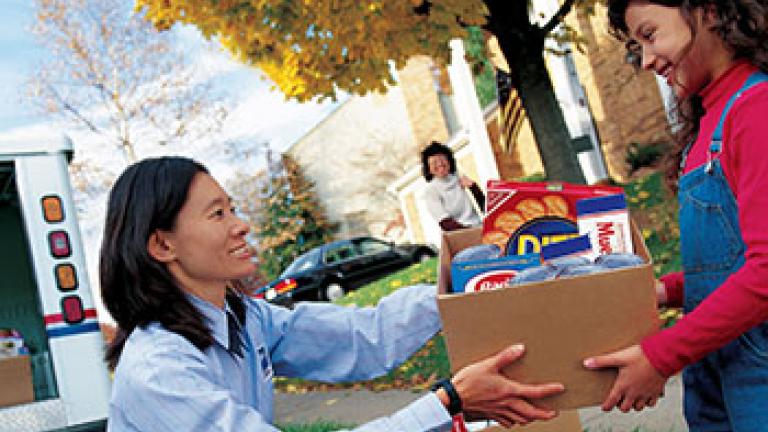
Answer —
626 105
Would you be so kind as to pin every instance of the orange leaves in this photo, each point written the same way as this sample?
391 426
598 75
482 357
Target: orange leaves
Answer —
312 48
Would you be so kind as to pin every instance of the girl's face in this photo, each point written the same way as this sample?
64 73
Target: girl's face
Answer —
207 244
688 60
439 166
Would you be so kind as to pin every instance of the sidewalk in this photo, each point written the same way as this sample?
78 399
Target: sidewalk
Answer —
359 406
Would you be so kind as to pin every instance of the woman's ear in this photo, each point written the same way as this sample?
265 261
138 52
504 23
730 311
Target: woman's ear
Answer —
160 248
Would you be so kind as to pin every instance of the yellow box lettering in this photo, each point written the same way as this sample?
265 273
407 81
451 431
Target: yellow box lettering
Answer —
528 243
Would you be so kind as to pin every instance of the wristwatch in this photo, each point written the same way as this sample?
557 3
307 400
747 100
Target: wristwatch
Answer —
454 401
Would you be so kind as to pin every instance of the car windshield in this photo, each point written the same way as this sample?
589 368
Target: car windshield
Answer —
303 262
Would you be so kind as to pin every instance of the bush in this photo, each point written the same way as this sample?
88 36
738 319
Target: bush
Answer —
645 155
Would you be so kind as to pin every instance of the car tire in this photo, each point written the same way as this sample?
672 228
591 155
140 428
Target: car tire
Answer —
332 292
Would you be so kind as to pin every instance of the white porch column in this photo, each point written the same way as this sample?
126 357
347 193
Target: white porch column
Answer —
470 114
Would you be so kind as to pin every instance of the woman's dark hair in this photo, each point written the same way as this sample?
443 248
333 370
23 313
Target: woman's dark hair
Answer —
137 289
436 148
741 24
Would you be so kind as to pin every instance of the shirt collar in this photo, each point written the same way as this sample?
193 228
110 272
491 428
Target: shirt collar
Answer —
215 318
724 86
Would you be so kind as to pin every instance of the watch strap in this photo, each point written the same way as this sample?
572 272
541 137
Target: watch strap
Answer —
454 401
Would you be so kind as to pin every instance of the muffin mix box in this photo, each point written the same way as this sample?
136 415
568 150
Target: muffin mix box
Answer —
522 217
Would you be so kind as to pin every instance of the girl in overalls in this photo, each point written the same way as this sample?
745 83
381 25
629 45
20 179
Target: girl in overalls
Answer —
714 55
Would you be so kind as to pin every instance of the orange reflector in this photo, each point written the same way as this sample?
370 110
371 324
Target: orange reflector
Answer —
52 209
72 309
66 277
58 241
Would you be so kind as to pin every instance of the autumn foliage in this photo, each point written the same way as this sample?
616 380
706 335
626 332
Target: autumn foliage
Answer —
310 48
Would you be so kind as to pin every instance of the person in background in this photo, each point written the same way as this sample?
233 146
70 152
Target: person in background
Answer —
193 354
714 56
446 196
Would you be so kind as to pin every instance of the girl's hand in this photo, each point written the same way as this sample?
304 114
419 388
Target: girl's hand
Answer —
487 394
466 182
638 385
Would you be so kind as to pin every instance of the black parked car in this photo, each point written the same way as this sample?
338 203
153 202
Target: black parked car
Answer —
327 272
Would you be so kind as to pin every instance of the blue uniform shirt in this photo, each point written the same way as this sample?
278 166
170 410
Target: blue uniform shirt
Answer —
163 383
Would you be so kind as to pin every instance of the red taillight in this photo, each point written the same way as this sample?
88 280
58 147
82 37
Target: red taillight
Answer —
58 241
72 309
285 285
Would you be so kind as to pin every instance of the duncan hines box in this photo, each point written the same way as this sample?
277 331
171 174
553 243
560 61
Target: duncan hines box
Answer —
521 217
561 322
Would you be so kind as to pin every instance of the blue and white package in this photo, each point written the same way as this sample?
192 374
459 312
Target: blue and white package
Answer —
581 270
535 274
482 275
539 232
477 252
573 247
569 261
606 220
619 260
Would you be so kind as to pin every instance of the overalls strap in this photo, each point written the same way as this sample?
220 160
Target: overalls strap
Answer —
716 144
717 137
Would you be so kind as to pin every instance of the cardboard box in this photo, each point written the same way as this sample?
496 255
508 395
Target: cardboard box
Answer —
566 421
561 322
15 381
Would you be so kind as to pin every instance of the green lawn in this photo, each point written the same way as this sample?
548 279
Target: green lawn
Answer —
423 368
314 427
655 211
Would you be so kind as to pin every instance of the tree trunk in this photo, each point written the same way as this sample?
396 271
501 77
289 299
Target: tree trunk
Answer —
522 44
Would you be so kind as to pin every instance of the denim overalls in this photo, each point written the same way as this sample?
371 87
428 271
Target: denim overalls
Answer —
728 389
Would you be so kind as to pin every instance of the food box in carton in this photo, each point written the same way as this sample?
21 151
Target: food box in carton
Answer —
15 381
484 274
522 217
561 322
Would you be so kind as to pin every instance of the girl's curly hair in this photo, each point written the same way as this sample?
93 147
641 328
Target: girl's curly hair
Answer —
741 24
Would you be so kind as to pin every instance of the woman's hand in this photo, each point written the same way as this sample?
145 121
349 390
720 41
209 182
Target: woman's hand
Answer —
466 182
638 385
487 394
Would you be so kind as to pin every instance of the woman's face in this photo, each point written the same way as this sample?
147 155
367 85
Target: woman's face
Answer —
439 165
208 239
687 60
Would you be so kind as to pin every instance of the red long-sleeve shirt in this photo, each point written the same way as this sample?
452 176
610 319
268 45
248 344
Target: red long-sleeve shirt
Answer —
741 302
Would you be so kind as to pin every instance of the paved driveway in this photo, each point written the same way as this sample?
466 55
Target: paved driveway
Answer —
359 406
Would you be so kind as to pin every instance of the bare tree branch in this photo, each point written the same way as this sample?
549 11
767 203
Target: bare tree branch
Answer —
73 111
112 72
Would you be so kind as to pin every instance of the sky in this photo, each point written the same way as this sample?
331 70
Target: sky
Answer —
271 117
17 56
256 115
